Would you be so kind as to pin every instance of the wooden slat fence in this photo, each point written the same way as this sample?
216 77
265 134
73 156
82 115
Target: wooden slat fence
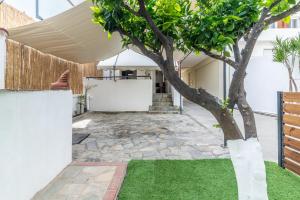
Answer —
289 131
30 69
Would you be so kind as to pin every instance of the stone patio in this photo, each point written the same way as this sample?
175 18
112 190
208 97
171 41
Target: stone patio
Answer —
126 136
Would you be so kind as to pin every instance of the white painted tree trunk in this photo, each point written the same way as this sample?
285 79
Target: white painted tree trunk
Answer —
249 166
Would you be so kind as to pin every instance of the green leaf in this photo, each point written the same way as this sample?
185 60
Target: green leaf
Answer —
227 54
177 7
287 20
109 35
95 9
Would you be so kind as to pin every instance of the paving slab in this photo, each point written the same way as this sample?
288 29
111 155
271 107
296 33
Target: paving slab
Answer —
85 181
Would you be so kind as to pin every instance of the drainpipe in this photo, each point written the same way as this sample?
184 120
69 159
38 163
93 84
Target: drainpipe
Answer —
3 36
224 81
37 10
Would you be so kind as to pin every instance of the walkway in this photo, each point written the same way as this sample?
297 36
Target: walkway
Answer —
85 181
266 127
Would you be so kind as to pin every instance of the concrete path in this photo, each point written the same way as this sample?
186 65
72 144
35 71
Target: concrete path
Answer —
266 126
85 181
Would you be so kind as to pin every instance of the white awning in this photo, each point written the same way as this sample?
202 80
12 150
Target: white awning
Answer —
130 60
70 35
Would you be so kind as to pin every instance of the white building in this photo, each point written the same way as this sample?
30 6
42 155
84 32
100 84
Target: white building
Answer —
264 77
131 82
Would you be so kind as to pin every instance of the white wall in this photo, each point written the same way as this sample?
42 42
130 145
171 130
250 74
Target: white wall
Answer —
3 36
120 96
207 75
177 98
264 78
36 140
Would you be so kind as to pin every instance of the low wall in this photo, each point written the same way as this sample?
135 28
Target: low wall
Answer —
119 96
36 140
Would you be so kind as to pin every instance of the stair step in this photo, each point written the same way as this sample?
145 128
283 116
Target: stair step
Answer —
163 112
162 103
163 108
162 95
165 99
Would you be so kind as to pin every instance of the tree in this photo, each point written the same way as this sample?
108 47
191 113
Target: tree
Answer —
160 27
287 52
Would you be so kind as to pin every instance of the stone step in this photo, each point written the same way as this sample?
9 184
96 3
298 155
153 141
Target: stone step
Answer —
162 103
163 108
163 112
163 99
162 95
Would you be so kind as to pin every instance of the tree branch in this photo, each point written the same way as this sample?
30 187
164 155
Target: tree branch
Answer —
135 41
275 3
163 39
132 11
236 51
240 73
283 15
220 57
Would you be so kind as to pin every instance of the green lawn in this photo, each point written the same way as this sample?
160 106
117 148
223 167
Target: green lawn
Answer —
198 180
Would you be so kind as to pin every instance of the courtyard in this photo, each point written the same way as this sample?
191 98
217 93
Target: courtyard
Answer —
120 137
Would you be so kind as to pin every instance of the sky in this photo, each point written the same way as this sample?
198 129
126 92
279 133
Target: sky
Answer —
48 8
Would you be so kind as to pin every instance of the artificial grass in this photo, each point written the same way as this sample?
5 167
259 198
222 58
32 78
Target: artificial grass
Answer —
198 180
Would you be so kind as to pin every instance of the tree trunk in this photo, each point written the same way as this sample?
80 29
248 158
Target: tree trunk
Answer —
249 167
290 79
295 84
247 114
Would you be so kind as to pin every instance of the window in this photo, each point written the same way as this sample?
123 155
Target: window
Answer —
129 74
294 23
272 26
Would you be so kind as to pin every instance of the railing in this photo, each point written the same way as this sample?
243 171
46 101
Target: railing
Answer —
289 131
119 77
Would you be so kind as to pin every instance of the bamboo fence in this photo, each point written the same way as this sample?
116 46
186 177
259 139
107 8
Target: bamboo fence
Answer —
30 69
11 17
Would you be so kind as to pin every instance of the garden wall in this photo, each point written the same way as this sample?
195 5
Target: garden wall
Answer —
119 96
30 69
36 140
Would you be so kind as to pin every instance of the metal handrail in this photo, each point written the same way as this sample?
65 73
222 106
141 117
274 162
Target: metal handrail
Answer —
117 77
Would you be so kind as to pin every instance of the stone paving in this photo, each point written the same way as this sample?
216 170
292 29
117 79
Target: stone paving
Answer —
126 136
85 181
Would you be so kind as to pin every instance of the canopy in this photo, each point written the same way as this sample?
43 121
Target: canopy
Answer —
73 36
128 59
70 35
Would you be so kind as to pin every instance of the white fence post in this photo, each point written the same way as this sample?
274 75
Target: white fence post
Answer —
3 36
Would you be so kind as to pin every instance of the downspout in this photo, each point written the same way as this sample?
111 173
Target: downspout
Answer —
224 81
37 10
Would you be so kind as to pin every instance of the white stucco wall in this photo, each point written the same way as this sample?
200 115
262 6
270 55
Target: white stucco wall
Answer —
264 79
36 140
3 36
120 96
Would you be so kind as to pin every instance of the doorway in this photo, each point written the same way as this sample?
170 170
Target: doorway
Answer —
160 83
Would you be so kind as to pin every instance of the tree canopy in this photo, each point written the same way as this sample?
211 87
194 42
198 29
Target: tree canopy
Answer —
202 25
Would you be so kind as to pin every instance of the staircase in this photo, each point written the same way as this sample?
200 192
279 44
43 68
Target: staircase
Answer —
163 103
